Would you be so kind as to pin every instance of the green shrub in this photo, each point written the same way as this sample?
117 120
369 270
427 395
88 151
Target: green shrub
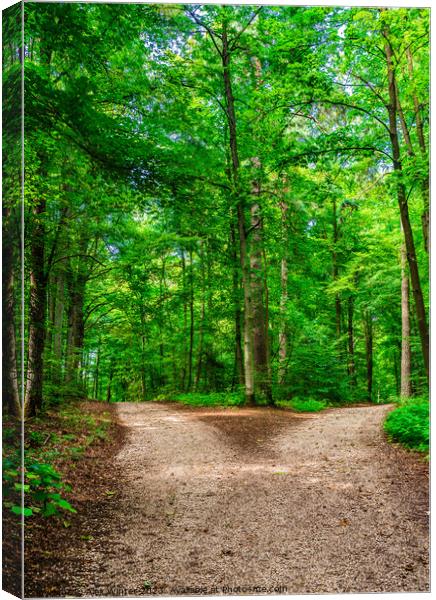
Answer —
211 399
303 404
200 399
409 424
42 486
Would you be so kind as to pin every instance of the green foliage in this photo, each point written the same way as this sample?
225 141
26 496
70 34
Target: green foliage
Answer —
41 488
210 399
409 424
303 404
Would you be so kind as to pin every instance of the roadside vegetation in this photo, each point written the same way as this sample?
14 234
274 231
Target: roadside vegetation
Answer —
409 424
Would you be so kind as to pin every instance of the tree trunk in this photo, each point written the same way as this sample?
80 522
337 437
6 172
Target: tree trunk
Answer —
243 251
260 343
425 218
10 391
37 309
239 360
76 332
185 321
202 318
404 211
97 370
283 337
58 327
351 362
406 387
191 320
369 351
338 309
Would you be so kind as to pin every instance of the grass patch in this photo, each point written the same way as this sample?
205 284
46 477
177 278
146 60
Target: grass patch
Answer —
409 424
211 399
303 404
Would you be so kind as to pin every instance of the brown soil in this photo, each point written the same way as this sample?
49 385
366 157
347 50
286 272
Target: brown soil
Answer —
244 501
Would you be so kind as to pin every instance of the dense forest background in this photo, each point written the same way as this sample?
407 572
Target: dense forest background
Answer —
225 199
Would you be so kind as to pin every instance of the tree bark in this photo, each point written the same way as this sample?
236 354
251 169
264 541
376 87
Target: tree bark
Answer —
76 330
425 217
351 361
58 327
243 250
338 307
406 386
37 309
191 320
404 211
260 343
283 333
239 360
10 390
369 351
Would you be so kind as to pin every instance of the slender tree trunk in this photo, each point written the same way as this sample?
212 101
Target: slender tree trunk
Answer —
283 333
58 328
191 320
239 360
351 361
97 370
185 320
37 309
109 385
369 352
10 392
243 250
260 344
338 308
406 388
202 318
404 211
425 218
76 331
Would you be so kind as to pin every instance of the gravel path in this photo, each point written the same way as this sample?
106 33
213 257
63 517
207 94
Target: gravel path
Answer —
259 501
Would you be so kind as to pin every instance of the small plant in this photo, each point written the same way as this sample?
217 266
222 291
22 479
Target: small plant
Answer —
409 424
41 487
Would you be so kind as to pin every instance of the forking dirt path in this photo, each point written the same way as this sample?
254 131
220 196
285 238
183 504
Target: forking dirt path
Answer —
260 499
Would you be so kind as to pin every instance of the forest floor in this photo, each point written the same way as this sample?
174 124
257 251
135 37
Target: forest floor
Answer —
246 500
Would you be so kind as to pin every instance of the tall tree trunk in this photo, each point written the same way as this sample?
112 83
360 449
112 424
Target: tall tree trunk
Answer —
406 385
404 211
239 360
425 218
191 320
243 250
185 320
335 266
260 343
58 327
76 332
351 362
37 309
283 337
10 391
97 370
202 318
367 325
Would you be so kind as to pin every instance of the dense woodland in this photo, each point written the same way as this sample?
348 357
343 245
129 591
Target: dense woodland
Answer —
217 199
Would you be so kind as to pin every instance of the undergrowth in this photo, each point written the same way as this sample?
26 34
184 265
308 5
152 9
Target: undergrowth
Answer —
409 424
53 442
302 404
200 399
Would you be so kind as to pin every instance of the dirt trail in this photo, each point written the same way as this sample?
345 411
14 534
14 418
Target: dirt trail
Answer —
212 500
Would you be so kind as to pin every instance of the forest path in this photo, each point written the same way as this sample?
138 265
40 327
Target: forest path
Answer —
261 498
